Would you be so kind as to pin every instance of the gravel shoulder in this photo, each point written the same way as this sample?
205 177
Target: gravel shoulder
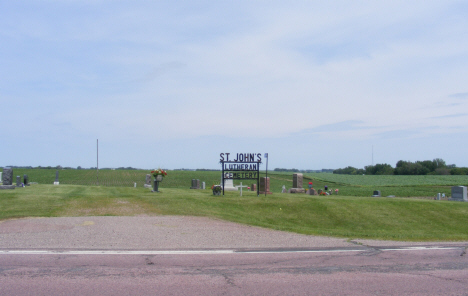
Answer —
164 233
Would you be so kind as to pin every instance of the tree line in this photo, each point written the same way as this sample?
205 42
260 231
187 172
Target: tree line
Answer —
436 166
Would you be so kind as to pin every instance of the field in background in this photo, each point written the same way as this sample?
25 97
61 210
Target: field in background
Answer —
348 185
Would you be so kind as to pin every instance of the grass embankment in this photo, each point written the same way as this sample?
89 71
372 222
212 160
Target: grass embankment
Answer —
341 216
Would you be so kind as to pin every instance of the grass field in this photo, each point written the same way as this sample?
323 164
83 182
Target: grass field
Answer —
349 185
339 216
351 214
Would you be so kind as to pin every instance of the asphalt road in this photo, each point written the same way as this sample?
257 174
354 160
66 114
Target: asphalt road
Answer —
199 256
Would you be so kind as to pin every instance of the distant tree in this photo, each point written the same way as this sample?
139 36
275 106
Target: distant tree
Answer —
379 169
78 168
459 171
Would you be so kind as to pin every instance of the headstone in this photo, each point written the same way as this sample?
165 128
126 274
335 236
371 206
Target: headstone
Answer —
195 184
203 185
229 185
147 181
265 185
18 181
459 193
26 180
312 191
7 179
284 189
438 196
7 176
56 178
297 190
376 193
319 191
297 180
253 187
1 180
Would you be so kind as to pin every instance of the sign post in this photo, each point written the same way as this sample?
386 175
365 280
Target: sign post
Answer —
266 173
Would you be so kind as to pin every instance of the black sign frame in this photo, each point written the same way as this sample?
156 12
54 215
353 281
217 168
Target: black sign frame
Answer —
246 166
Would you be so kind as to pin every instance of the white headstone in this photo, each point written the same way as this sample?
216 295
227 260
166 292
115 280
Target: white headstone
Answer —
229 185
203 185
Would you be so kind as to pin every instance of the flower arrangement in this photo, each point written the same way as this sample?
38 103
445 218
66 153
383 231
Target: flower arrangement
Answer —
216 189
323 193
159 172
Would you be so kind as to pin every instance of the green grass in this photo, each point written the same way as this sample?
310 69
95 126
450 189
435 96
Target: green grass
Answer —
339 216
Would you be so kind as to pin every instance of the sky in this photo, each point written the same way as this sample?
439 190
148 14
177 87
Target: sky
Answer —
172 84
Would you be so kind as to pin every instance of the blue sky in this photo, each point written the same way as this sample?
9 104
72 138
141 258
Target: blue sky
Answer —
316 84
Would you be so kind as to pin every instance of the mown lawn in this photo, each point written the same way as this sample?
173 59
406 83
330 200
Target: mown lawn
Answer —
340 216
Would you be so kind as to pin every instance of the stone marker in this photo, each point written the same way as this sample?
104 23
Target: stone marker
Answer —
203 185
7 176
459 193
284 189
253 187
297 180
265 185
195 184
26 180
297 190
7 179
148 181
56 178
229 185
319 191
18 181
1 180
376 193
312 191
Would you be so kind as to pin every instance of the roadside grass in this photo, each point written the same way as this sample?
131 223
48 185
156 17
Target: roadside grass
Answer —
336 215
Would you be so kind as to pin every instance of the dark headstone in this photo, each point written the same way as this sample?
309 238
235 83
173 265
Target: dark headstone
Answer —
7 176
56 176
195 184
312 191
26 180
376 193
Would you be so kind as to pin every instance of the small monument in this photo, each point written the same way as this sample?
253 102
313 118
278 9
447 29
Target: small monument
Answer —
203 185
459 193
26 180
265 185
297 184
148 181
253 187
7 179
229 185
283 190
18 181
56 178
195 184
376 193
312 191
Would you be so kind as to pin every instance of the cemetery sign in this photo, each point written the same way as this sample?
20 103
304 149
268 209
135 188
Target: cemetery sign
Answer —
243 166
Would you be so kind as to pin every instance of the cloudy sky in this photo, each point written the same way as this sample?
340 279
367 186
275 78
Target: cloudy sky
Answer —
316 84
